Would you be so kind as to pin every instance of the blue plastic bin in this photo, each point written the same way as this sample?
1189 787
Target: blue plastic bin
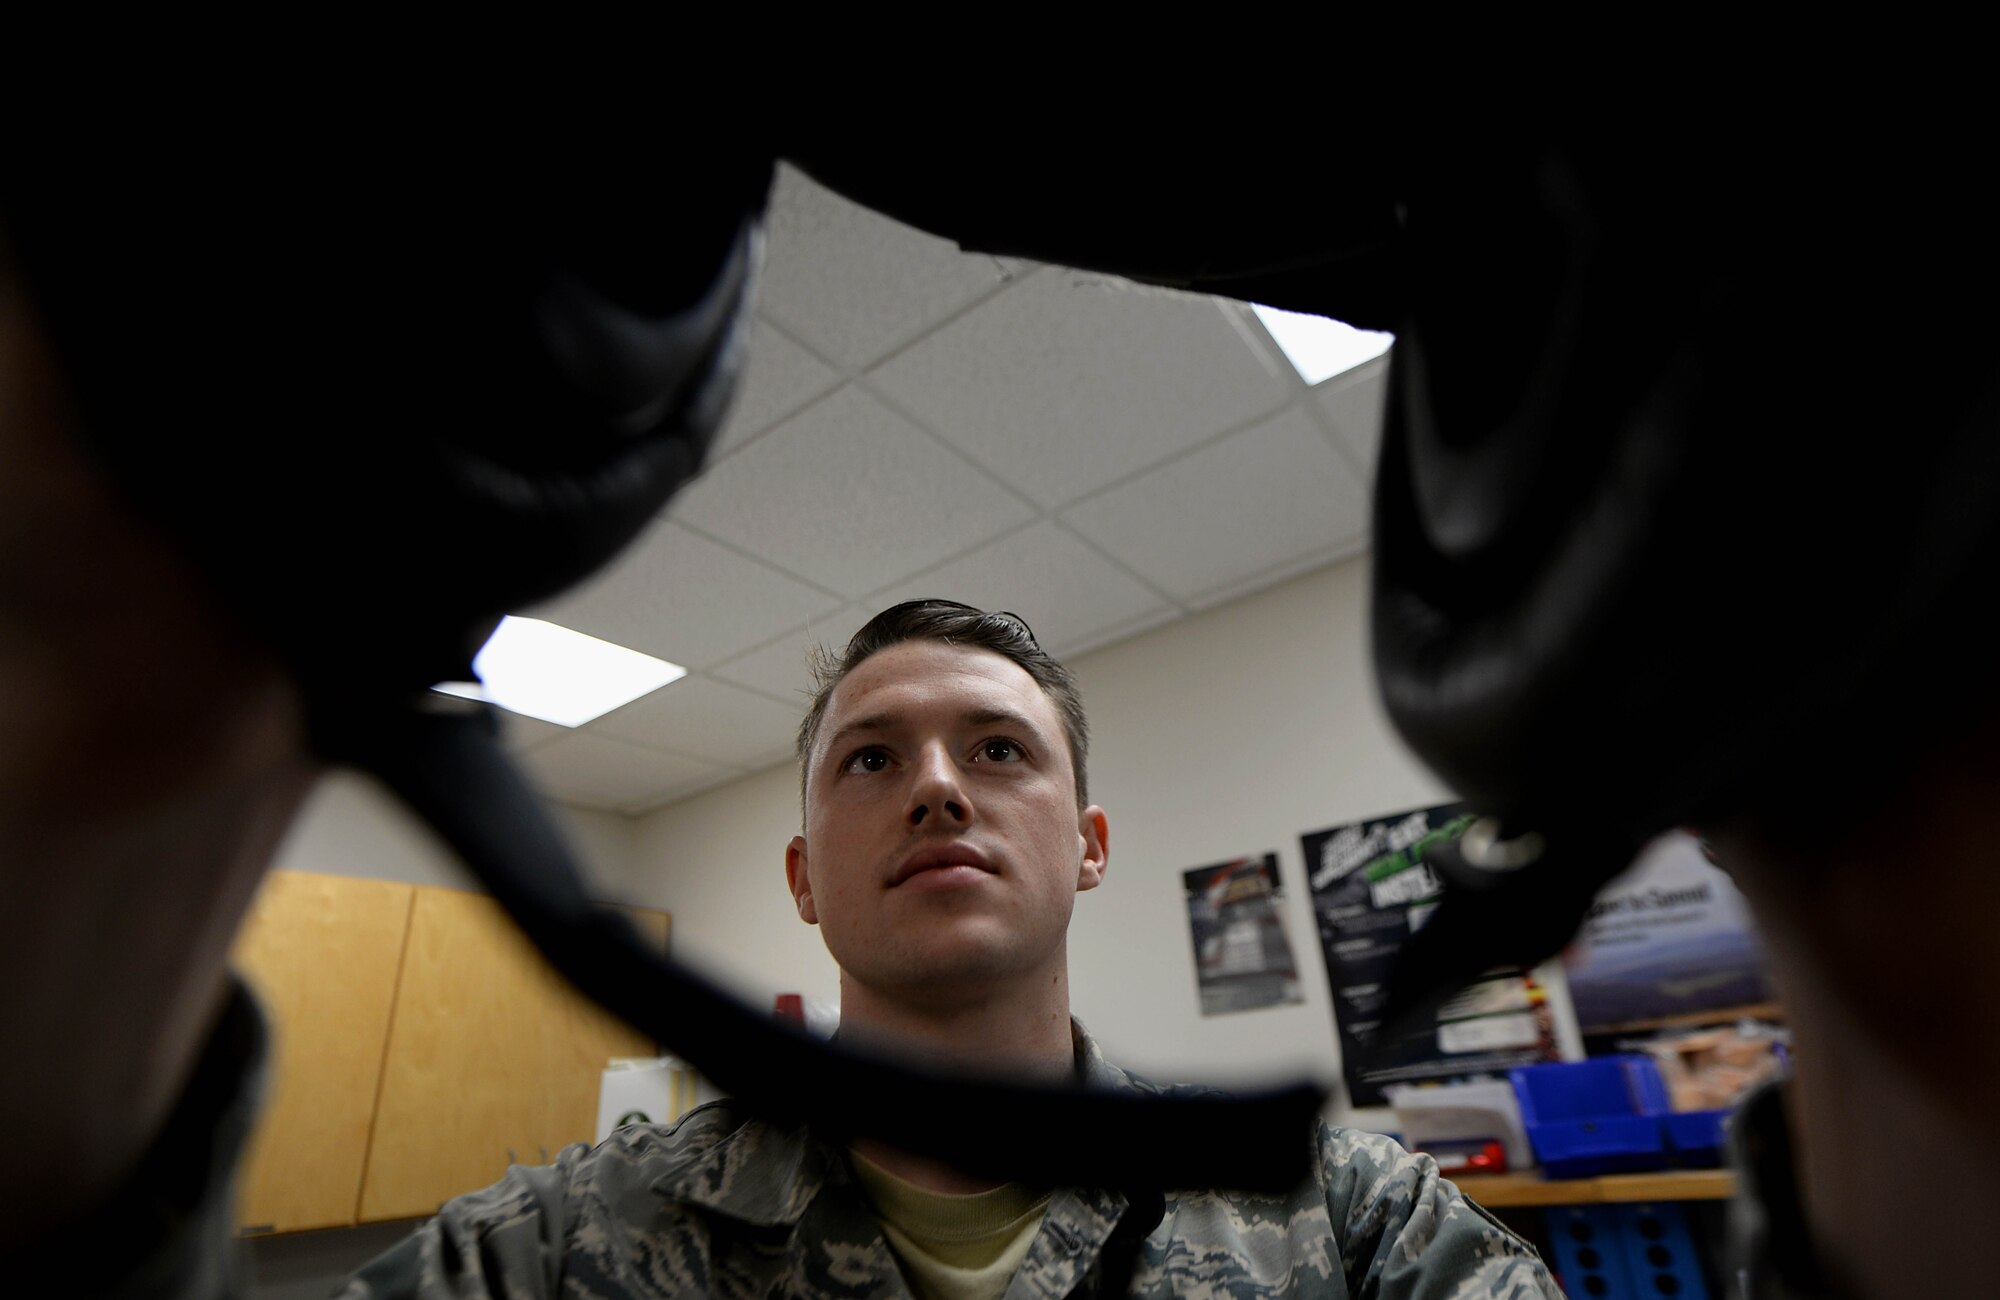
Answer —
1696 1137
1602 1116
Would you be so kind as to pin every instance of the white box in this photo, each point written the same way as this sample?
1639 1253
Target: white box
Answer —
1460 1112
645 1091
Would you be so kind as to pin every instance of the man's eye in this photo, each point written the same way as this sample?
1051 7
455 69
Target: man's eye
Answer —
866 760
1000 751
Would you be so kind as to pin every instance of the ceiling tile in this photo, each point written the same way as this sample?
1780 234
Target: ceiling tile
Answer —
835 489
1123 631
1067 382
1259 341
1066 591
1275 494
1352 405
778 378
520 733
780 669
854 285
1303 563
612 775
680 596
851 496
706 719
656 802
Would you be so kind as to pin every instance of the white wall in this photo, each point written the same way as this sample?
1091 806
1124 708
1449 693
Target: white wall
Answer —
1227 734
350 826
717 862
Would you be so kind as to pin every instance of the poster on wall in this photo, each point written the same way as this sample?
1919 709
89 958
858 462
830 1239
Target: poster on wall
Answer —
1667 941
1242 958
1370 891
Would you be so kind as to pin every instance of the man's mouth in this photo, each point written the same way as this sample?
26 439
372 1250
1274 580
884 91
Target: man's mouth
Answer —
942 857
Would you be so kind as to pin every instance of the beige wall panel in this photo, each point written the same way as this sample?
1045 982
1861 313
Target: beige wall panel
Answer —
490 1053
322 953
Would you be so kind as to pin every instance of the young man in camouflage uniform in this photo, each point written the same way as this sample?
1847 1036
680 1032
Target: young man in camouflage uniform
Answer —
947 834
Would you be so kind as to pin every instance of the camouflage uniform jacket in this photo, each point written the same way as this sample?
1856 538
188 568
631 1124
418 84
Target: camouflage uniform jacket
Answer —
722 1204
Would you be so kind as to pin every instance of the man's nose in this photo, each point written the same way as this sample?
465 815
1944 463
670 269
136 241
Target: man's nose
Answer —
937 789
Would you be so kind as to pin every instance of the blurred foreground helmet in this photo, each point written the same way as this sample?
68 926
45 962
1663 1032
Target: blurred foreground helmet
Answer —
1689 488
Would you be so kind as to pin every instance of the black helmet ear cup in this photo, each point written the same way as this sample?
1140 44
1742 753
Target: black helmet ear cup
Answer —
384 406
1685 543
1541 514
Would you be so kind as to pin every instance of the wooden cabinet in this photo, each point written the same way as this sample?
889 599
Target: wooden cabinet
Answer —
321 952
492 1058
421 1044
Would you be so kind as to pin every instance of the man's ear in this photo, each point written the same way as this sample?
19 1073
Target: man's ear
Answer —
801 883
1096 833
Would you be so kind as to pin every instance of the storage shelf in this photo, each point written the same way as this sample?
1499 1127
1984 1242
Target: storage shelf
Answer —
1503 1190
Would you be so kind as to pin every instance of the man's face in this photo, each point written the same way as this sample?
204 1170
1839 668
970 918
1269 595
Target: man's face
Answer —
944 848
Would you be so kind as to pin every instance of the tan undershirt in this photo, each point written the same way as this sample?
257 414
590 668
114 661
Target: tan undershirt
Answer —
953 1247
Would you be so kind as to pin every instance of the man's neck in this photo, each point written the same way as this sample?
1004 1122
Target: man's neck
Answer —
1017 1037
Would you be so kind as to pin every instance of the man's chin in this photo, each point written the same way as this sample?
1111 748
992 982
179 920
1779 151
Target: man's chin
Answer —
947 975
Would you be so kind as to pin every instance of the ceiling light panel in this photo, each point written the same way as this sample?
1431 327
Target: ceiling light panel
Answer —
547 671
1317 346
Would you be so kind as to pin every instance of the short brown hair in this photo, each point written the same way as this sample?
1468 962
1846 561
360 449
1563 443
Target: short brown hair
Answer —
951 623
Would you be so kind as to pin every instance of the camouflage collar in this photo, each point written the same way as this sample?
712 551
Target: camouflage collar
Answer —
758 1173
1093 1069
744 1168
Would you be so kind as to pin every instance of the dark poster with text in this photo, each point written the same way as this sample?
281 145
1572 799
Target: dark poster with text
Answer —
1371 890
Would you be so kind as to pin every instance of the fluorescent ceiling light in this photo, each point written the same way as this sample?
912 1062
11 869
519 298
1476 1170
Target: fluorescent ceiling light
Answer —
1317 347
560 676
